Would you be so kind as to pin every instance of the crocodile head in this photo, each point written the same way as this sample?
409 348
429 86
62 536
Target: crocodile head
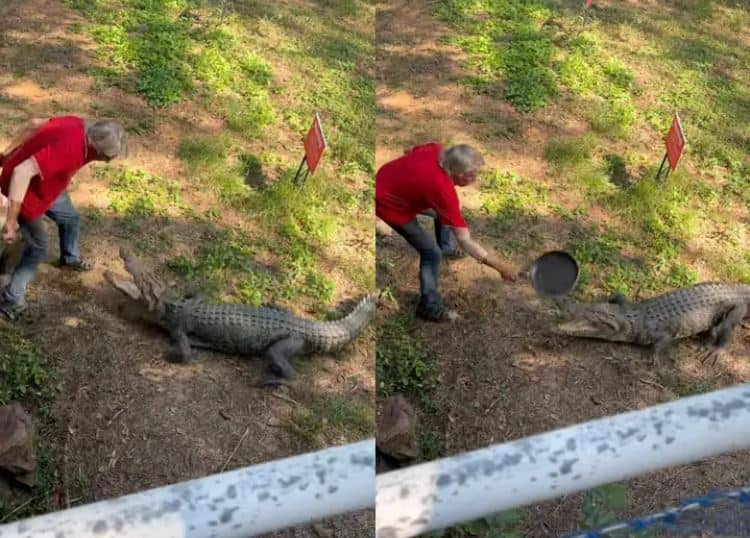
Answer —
144 287
603 321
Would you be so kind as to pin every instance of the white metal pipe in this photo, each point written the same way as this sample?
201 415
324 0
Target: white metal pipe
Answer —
475 484
235 504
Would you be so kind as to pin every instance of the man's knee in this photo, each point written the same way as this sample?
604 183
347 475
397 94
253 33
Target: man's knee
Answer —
432 253
35 243
69 217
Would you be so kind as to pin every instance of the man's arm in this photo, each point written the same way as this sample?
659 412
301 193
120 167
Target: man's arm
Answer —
471 247
19 184
21 137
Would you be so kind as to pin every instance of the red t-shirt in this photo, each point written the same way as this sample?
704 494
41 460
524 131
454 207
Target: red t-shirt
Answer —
414 183
59 148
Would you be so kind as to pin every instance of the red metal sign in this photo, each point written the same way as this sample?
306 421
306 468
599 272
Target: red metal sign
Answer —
315 144
588 3
675 142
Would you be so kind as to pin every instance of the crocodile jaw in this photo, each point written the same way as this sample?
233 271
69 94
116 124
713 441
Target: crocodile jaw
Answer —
123 285
586 329
602 321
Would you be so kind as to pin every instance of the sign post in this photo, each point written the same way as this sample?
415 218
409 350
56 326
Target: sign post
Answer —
315 145
675 144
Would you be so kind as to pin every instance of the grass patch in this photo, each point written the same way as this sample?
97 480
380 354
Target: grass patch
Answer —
506 524
614 262
681 387
137 197
204 152
326 420
170 51
508 42
572 159
26 377
606 505
403 366
511 200
224 267
517 45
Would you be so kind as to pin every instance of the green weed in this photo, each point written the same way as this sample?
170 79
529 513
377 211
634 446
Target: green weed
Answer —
517 49
157 50
402 366
326 419
24 375
203 151
503 525
511 200
601 507
565 154
136 195
27 377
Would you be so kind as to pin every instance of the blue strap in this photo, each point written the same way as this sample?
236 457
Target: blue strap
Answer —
671 516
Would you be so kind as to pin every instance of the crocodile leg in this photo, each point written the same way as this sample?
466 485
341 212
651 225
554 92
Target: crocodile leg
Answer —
721 333
658 348
184 353
278 367
618 298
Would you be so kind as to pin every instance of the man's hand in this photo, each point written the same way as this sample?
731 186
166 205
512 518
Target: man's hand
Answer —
10 231
507 271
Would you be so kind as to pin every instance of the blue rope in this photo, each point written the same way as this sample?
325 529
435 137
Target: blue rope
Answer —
670 516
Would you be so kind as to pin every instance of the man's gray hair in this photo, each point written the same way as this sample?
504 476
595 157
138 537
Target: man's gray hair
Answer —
108 138
461 159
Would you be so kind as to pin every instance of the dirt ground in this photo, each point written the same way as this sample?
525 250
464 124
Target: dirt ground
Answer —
127 419
501 376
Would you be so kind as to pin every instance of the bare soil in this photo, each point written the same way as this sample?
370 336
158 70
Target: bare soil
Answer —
501 376
127 418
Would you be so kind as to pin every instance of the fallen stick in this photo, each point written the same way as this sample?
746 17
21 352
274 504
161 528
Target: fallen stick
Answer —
285 399
17 508
247 431
652 383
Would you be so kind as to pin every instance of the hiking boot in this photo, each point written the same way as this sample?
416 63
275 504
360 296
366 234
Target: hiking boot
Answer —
78 265
11 311
444 316
454 253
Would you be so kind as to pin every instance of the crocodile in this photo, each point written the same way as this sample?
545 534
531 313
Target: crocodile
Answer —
713 309
278 334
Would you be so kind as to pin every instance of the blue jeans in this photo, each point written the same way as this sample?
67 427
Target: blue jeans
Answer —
36 241
443 234
430 253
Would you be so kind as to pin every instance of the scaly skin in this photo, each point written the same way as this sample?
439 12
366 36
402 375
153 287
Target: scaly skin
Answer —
710 307
246 330
278 334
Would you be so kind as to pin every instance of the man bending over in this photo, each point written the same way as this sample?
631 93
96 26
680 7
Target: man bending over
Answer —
424 180
36 171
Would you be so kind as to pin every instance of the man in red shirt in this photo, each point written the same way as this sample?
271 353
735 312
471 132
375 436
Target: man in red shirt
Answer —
36 171
423 181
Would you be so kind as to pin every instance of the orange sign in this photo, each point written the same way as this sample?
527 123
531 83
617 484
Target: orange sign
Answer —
675 142
315 144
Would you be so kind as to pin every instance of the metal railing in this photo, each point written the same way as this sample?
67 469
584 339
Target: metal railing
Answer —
235 504
430 496
445 492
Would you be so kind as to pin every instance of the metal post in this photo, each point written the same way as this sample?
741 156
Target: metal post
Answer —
236 504
662 166
301 164
448 491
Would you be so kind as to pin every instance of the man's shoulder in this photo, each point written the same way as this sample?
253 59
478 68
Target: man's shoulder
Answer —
430 147
66 122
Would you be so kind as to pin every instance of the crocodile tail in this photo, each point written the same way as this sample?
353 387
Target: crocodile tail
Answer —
333 335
